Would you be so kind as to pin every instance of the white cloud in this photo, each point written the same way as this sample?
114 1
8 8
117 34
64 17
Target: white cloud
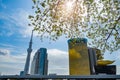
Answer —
118 55
20 18
58 61
12 59
5 33
4 52
7 45
118 70
17 21
11 64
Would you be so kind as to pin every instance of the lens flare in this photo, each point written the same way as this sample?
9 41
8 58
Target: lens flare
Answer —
69 5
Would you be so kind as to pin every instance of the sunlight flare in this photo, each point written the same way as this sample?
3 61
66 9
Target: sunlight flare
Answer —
69 5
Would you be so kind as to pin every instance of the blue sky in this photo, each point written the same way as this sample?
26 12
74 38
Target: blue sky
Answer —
15 35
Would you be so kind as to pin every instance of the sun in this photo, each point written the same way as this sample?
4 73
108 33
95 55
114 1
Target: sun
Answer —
69 5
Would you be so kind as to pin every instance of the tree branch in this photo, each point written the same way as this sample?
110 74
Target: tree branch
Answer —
112 29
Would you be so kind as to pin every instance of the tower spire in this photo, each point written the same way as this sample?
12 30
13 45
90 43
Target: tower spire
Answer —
29 50
30 43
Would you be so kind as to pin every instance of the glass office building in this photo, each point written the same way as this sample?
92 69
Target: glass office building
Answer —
78 57
39 64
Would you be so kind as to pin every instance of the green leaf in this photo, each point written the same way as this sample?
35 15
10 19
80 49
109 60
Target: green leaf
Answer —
34 1
43 4
30 16
91 1
96 25
33 7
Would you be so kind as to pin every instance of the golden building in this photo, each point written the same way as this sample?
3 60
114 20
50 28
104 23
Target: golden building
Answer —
78 57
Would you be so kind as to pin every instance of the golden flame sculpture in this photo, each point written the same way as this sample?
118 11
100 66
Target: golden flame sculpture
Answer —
101 61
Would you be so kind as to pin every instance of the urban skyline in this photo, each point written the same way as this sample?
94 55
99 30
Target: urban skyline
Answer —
15 35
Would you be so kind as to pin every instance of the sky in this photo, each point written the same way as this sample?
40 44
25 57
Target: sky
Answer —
14 40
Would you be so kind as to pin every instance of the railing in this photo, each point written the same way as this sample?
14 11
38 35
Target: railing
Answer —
5 77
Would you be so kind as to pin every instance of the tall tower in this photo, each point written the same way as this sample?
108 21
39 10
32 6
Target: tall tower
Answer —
78 57
40 62
29 50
